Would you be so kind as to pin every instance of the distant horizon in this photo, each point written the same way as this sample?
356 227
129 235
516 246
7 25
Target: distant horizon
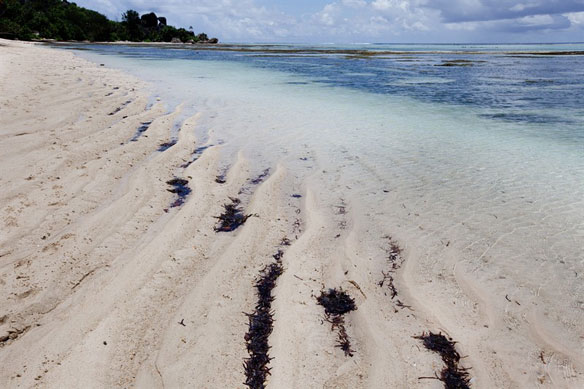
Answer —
402 43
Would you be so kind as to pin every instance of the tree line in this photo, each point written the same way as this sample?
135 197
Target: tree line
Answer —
61 20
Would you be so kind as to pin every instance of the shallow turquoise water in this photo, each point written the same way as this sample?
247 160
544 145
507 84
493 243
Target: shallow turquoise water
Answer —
503 81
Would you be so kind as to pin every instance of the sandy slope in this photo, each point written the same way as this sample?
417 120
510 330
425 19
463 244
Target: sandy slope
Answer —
101 287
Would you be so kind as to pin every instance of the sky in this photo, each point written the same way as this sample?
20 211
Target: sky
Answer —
362 21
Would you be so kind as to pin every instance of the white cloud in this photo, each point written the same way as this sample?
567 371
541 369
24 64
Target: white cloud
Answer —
328 14
354 3
576 17
536 20
383 5
464 26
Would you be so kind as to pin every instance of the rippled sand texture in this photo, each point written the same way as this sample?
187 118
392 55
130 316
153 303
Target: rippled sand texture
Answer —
104 284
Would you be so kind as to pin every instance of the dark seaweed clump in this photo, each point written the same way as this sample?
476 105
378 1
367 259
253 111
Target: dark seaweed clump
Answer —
337 303
260 177
142 129
254 181
196 154
167 145
395 261
453 376
179 187
119 108
261 325
221 178
232 217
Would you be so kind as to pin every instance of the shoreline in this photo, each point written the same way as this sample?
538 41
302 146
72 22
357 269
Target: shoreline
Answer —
127 260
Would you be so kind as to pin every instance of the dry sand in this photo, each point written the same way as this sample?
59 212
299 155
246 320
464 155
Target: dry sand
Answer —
102 287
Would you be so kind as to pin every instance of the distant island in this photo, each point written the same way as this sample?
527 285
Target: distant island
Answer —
64 21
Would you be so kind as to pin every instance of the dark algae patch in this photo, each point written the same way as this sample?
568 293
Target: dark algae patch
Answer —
395 260
167 145
261 177
459 62
337 303
255 181
442 345
232 216
142 129
221 178
119 108
179 187
453 376
261 325
196 155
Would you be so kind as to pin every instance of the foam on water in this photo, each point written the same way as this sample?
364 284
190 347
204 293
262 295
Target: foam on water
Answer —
501 182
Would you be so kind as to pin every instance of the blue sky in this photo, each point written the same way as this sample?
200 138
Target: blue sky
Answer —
356 21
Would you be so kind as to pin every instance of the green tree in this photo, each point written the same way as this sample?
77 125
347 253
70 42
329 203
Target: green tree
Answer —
62 20
132 21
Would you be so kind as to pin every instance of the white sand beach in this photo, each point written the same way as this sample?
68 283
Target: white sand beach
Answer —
104 285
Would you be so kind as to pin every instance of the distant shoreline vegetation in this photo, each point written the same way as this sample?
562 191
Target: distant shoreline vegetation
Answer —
64 21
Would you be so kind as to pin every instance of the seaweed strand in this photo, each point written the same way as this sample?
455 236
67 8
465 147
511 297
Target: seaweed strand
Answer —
453 376
337 303
261 326
232 217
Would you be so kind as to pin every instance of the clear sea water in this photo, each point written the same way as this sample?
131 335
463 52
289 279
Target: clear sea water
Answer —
480 146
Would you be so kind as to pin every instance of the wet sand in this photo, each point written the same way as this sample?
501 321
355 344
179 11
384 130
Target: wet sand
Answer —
127 262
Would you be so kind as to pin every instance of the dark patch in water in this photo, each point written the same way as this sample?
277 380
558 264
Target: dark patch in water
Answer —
395 262
261 325
527 118
539 82
167 145
260 178
232 216
142 129
341 209
221 178
555 53
196 155
181 189
337 303
254 181
120 108
459 62
285 242
453 376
